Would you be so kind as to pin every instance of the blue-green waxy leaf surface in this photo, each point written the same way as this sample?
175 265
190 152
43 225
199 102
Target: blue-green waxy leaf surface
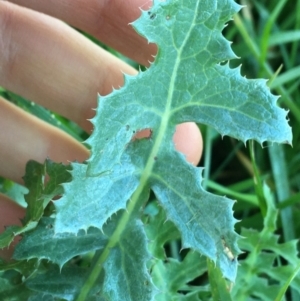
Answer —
187 82
126 275
90 201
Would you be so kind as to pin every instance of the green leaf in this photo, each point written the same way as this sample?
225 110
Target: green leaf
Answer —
43 243
262 274
8 235
14 191
12 288
40 193
58 173
160 231
26 268
34 181
188 81
171 277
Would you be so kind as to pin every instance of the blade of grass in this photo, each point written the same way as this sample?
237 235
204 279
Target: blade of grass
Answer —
289 75
283 290
296 42
280 174
268 70
294 199
258 184
210 134
264 45
283 37
45 115
227 160
245 197
245 184
264 13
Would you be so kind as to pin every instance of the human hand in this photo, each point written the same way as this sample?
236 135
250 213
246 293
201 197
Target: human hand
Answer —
48 62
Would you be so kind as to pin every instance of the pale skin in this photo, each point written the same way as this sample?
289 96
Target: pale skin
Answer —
48 62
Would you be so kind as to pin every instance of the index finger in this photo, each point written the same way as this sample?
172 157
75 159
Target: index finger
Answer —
107 20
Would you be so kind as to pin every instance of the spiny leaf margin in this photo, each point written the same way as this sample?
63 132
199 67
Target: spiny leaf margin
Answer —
186 82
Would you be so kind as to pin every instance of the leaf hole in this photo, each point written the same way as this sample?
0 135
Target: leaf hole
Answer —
142 134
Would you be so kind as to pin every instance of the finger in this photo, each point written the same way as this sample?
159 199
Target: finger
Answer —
108 21
188 140
26 137
56 71
48 62
39 75
10 214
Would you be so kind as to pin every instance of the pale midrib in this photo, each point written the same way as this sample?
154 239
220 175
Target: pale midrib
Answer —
144 178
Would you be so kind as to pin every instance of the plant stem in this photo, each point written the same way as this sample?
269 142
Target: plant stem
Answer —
280 174
134 204
267 30
207 155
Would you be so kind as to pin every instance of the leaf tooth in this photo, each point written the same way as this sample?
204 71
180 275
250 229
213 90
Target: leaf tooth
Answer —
152 257
157 291
185 245
241 6
128 79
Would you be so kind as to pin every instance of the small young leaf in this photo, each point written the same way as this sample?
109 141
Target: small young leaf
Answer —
8 235
58 173
34 181
14 191
38 196
172 276
261 274
160 231
40 190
